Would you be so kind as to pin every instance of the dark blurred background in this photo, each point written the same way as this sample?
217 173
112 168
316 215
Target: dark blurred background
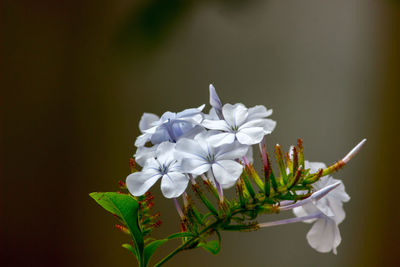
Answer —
77 75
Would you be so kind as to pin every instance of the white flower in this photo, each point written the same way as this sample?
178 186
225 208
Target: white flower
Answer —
198 157
324 235
170 127
164 166
248 126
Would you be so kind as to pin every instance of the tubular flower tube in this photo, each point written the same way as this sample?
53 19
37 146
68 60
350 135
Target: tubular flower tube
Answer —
313 198
291 220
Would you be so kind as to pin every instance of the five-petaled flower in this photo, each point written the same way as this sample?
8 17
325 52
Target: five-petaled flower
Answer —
164 166
198 156
170 127
246 125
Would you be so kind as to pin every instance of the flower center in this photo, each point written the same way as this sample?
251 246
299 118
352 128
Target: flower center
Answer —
211 158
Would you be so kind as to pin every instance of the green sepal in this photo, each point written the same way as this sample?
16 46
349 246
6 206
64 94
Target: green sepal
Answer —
205 200
272 175
281 164
126 208
253 173
301 153
295 164
248 185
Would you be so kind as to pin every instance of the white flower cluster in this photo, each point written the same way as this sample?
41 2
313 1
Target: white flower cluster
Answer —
178 147
181 145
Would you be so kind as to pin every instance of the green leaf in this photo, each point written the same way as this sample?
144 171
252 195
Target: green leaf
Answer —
213 246
129 248
126 208
181 234
151 248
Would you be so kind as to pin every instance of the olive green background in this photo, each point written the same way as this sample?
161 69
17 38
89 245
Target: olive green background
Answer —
77 75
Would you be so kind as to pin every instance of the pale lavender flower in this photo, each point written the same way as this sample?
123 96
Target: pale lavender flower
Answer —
198 156
246 125
170 127
164 166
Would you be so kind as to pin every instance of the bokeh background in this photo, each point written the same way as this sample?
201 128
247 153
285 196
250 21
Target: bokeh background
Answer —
77 75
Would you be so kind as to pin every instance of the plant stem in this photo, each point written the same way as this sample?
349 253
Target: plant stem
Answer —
187 243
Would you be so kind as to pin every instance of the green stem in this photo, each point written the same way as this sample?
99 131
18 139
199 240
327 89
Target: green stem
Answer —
187 243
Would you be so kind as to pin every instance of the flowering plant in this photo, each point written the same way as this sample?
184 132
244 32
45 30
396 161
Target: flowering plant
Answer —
212 153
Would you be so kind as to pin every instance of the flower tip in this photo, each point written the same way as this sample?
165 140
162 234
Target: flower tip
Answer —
214 98
354 151
324 191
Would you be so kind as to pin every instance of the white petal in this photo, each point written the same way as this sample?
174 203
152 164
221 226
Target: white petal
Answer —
231 151
305 210
168 116
250 136
194 165
151 164
202 140
191 114
216 125
338 211
227 171
212 115
144 153
259 111
141 140
221 139
324 235
189 148
249 154
299 212
269 126
173 184
160 135
165 152
190 134
147 120
234 115
253 123
228 185
339 193
314 166
139 183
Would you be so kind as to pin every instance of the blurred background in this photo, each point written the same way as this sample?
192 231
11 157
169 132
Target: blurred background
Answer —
76 77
